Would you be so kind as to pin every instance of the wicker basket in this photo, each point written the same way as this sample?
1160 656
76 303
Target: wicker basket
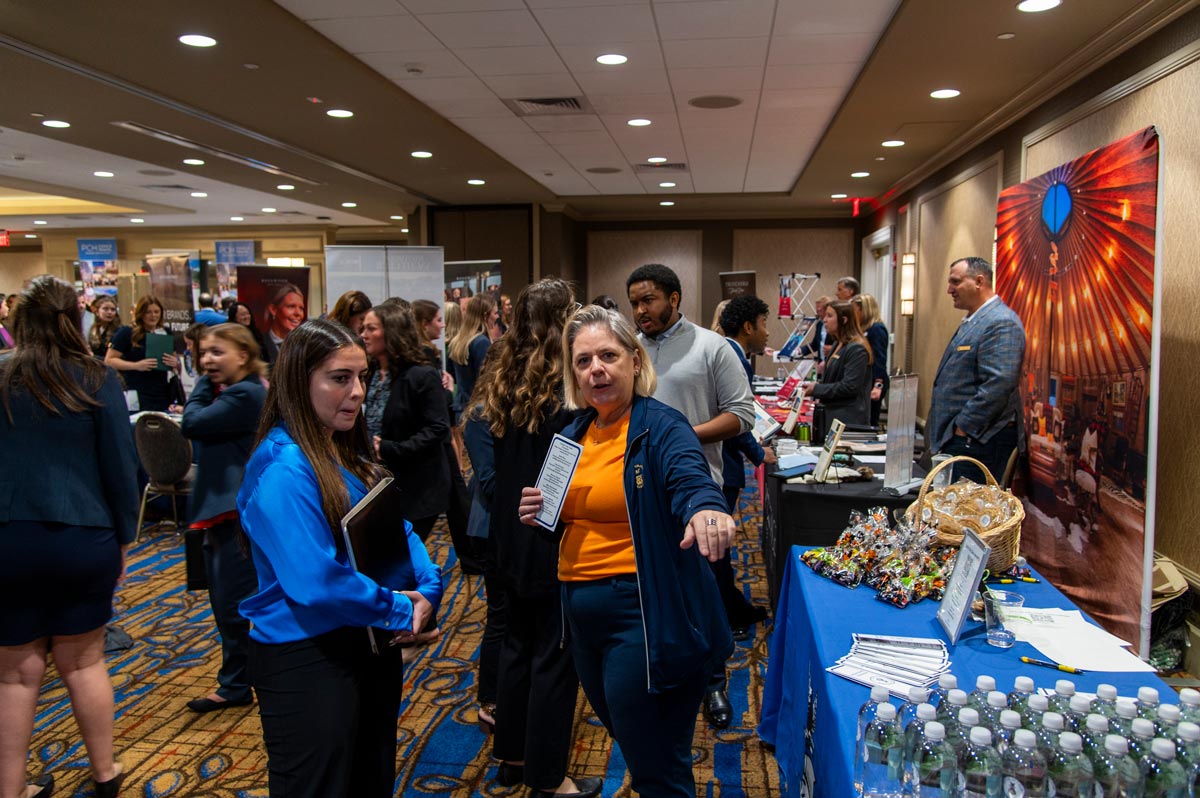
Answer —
1004 538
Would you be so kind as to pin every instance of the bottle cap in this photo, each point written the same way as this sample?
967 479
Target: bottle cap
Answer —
918 695
1024 738
1097 723
1116 744
1188 731
947 681
886 712
997 700
1162 748
1064 687
1126 708
1142 727
1168 712
1010 719
985 683
880 694
1081 704
1052 721
1070 742
1147 695
1190 697
926 712
968 717
981 735
957 697
1039 702
935 730
1023 684
1109 693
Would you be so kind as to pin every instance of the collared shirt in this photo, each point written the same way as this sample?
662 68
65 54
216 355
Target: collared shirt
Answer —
990 300
663 336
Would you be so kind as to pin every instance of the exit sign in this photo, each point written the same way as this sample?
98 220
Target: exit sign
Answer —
3 238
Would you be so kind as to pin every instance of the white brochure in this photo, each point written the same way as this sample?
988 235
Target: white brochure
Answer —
555 478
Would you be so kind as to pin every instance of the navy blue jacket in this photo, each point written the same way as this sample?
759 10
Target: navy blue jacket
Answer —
221 427
733 473
78 469
667 481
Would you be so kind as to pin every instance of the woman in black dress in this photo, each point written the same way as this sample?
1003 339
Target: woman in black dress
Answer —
69 483
127 354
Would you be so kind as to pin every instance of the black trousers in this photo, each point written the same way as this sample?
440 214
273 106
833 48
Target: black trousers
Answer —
537 689
328 708
231 578
495 629
458 512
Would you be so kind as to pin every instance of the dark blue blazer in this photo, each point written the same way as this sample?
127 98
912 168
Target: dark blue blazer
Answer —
221 427
733 474
78 469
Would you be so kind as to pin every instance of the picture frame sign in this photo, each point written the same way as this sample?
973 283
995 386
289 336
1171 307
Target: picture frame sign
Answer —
964 582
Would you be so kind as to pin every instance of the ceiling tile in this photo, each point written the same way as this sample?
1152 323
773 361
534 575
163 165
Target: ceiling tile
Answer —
517 86
820 17
718 19
627 81
811 76
702 118
716 53
682 181
377 34
564 184
566 123
592 25
483 126
445 6
623 182
485 29
788 99
482 107
489 62
632 105
580 3
846 48
582 57
716 80
431 63
322 9
578 138
431 90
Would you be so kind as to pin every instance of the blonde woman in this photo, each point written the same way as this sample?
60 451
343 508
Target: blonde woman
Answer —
866 308
470 345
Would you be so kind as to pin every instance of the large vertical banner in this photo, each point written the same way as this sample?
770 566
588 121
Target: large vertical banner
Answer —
1076 259
277 297
171 283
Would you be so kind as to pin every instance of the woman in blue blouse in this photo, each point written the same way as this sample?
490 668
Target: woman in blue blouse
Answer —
866 308
328 705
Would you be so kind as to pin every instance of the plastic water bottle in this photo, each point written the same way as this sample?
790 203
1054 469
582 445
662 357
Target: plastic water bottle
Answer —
1116 774
1003 733
1023 687
947 712
1122 724
1024 767
1106 701
1078 709
1147 703
1052 727
881 756
1068 772
1189 705
978 698
914 732
946 683
1167 721
868 712
932 770
1060 702
1164 776
1095 729
1035 707
1187 751
980 773
906 713
1141 736
989 715
968 718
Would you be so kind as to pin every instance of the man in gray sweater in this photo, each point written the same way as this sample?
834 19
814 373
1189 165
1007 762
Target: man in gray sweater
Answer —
700 376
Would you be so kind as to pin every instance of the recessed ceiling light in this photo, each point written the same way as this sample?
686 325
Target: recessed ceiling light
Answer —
31 235
837 196
236 218
611 59
656 159
397 218
40 221
37 115
892 143
880 158
860 174
403 229
285 187
56 123
268 210
349 204
197 40
421 154
250 65
475 181
638 122
666 203
666 185
1034 6
193 162
1006 36
199 194
339 113
137 221
944 94
103 174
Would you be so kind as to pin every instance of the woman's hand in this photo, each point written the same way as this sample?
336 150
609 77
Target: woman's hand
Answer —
711 531
170 361
807 388
530 506
447 381
422 610
149 364
876 393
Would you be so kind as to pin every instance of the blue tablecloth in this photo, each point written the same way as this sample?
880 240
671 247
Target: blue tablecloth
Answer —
813 626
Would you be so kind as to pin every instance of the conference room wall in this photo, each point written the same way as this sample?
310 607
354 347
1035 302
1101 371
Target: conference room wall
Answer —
613 254
18 265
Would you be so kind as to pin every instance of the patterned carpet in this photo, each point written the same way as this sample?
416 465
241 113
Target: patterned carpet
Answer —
173 752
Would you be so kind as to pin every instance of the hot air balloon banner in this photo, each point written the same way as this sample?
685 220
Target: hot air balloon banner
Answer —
1075 258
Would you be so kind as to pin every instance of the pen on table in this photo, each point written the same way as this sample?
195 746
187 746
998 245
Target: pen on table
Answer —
1012 580
1055 665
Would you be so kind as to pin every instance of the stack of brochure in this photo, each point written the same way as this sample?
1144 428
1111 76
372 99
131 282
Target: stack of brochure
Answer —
897 663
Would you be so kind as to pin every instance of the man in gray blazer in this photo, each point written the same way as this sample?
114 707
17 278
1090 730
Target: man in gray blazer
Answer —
976 407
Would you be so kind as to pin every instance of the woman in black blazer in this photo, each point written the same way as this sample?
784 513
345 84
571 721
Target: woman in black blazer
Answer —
406 413
68 508
845 387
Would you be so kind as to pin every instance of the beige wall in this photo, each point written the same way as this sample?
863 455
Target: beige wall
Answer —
614 254
17 266
1172 105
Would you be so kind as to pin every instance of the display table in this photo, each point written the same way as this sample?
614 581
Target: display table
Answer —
803 706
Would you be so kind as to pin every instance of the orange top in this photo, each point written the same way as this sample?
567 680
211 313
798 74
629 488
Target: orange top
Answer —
598 542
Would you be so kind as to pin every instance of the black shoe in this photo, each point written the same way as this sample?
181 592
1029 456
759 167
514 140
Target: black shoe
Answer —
110 788
206 704
717 709
510 775
584 788
46 782
740 633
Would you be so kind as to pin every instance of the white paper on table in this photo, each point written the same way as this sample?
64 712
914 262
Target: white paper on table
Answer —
799 458
871 459
872 678
897 670
558 469
1066 638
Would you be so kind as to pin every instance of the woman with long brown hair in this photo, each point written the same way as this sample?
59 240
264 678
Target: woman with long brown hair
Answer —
350 310
328 705
520 398
127 354
845 387
470 345
108 321
65 434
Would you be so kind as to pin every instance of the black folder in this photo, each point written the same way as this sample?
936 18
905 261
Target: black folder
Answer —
376 543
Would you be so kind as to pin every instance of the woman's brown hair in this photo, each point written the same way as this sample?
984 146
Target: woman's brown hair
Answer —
289 403
101 333
425 311
848 329
522 378
139 311
475 322
401 336
45 326
239 335
349 304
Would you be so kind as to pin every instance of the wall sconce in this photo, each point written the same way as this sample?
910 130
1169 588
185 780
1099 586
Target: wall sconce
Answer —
908 270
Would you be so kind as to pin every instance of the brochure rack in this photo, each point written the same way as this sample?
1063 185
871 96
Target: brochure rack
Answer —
796 311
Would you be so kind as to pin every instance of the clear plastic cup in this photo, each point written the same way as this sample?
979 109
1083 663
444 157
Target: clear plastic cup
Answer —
995 604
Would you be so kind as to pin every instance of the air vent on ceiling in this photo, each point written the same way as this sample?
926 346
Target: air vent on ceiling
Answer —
603 170
77 218
291 213
167 187
655 168
155 172
549 106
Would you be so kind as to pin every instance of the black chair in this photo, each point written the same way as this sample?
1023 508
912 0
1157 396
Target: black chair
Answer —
167 458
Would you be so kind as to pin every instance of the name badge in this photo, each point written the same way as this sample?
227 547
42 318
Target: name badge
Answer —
964 349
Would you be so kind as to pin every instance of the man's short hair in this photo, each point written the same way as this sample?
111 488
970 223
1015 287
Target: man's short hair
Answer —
976 267
205 300
662 277
742 309
850 283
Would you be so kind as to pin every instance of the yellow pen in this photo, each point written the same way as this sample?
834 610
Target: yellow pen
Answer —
1055 665
1012 581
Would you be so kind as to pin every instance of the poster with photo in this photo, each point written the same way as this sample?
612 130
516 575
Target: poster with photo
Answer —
96 270
277 297
171 283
